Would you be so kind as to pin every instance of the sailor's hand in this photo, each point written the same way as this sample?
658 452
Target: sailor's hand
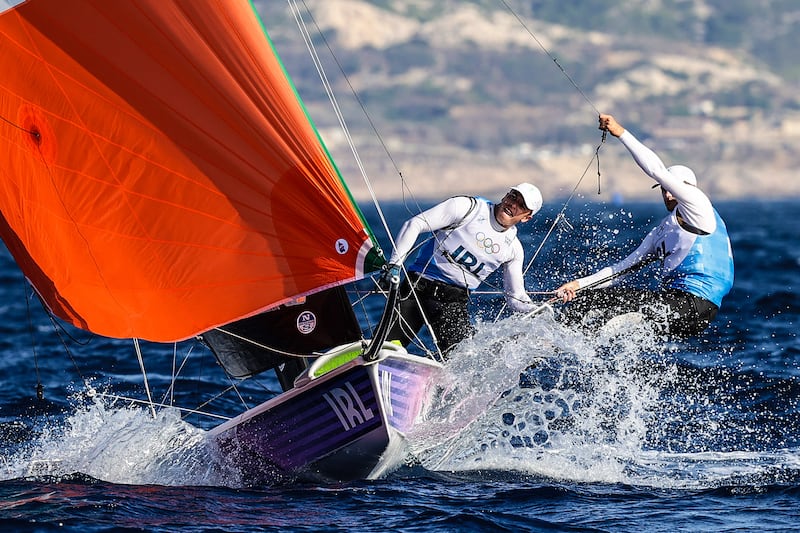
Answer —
609 123
389 276
567 291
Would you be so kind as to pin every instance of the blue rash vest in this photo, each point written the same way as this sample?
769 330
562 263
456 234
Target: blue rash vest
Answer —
707 266
696 258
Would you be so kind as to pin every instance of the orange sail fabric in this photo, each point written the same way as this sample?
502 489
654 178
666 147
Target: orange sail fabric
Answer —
159 175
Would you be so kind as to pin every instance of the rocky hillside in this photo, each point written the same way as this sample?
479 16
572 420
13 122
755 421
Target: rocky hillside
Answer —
473 96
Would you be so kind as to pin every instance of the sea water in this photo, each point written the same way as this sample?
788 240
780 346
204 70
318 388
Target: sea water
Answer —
533 426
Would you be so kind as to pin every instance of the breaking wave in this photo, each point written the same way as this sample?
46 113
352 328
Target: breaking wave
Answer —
614 406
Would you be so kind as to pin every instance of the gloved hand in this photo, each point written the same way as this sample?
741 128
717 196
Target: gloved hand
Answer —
390 275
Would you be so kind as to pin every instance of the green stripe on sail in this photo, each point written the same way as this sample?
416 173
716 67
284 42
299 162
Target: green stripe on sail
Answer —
375 258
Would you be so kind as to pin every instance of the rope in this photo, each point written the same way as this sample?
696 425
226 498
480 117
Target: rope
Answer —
405 190
264 346
144 376
560 218
555 299
61 333
337 110
551 56
115 397
35 134
39 386
175 373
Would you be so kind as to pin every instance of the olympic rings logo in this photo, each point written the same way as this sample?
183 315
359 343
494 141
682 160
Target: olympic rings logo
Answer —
489 246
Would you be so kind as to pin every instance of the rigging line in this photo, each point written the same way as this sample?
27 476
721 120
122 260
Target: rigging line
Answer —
633 268
329 91
551 56
175 373
256 381
596 156
560 216
144 376
352 89
265 347
312 50
39 387
232 387
35 134
59 331
57 326
557 299
116 397
498 292
417 340
360 296
358 300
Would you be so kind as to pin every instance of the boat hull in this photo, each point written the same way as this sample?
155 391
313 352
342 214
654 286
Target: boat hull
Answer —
338 426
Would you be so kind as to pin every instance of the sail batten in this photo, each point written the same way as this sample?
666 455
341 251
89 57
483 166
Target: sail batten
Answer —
177 183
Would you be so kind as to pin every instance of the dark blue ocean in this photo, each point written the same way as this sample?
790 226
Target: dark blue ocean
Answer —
546 428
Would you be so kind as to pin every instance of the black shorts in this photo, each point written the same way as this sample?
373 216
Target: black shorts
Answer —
444 306
673 311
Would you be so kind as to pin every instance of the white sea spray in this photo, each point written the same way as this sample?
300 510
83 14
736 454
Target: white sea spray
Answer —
119 444
539 398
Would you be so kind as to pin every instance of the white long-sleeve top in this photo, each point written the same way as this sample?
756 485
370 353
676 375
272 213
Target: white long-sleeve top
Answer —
694 206
466 254
701 265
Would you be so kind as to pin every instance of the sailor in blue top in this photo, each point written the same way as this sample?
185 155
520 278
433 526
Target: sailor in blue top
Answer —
691 243
472 237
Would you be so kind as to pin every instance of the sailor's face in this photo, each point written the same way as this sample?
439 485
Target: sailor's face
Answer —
511 210
669 201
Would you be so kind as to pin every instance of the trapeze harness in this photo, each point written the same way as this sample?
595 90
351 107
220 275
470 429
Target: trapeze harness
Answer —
466 247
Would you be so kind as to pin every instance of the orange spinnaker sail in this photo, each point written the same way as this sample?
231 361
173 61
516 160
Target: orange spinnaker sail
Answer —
159 175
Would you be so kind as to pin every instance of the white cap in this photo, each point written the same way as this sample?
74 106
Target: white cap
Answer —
683 173
531 196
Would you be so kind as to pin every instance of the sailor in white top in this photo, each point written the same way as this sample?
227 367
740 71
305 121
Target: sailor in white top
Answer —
691 243
472 237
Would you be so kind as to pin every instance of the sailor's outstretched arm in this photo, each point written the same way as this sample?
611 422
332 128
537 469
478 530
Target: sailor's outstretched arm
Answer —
437 217
696 208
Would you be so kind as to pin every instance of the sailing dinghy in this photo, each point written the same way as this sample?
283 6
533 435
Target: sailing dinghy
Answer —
161 180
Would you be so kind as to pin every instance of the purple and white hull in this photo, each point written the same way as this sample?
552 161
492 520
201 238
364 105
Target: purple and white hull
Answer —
336 426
